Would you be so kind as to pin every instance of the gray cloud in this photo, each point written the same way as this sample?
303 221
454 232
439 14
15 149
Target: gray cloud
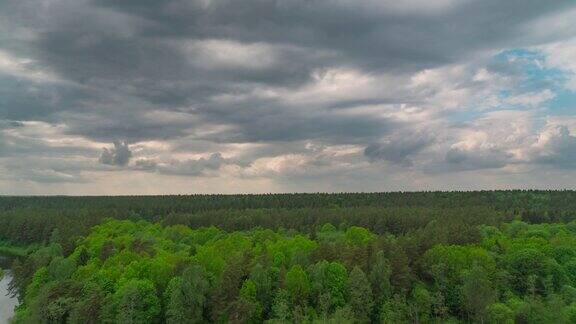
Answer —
400 148
477 158
259 79
406 35
45 170
190 167
119 155
142 50
558 148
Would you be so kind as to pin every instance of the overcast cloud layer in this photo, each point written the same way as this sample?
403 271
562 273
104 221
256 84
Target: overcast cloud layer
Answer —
203 96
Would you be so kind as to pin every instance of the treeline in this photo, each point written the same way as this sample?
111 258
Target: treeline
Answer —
139 272
35 227
150 206
28 220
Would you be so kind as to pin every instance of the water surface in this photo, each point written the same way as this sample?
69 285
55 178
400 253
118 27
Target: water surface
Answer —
7 303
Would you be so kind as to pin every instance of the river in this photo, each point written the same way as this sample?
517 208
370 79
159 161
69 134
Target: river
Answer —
7 303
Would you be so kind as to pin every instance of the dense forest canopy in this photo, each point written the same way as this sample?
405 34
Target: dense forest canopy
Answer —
27 220
427 257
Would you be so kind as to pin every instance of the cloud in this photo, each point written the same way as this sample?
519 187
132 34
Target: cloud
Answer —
514 139
531 99
400 148
556 146
477 158
33 139
49 176
287 93
119 155
560 55
190 167
24 68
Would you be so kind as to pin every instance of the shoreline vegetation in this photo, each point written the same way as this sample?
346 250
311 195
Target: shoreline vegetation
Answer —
12 251
430 257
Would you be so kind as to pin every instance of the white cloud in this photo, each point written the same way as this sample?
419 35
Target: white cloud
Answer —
23 68
560 55
226 54
531 99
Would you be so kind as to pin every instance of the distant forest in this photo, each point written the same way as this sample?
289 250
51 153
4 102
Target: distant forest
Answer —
415 257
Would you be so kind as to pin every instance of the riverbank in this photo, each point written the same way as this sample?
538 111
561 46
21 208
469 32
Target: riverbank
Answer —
12 251
7 302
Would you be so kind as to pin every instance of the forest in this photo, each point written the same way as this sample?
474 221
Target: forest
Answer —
415 257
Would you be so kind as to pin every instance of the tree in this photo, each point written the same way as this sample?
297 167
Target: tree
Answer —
500 313
136 302
329 283
53 302
358 236
360 295
228 288
448 264
88 309
281 306
297 285
421 303
186 295
240 274
342 315
246 309
262 278
380 277
477 292
395 310
527 267
61 268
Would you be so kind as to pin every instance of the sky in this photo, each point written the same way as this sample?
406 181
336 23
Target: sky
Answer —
106 97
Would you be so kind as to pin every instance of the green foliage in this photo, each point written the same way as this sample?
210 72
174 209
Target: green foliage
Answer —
500 313
281 306
136 302
422 302
449 266
185 296
380 277
298 285
329 284
395 310
358 236
247 309
360 295
9 250
487 257
477 292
